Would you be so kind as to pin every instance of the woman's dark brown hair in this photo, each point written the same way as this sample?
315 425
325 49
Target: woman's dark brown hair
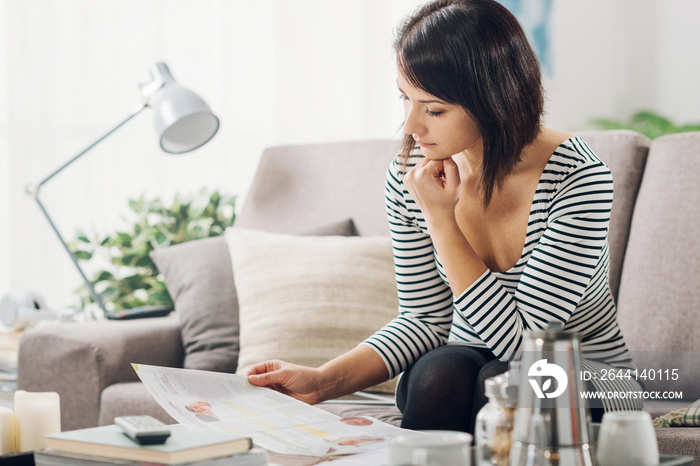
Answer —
473 53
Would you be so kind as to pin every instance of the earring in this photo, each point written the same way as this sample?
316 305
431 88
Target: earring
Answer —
415 137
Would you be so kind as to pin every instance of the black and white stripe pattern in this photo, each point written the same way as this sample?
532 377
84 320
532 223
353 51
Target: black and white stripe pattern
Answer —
562 275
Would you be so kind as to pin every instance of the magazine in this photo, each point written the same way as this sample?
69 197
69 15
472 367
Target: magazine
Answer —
215 401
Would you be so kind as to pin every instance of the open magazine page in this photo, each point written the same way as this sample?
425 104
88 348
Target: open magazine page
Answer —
205 400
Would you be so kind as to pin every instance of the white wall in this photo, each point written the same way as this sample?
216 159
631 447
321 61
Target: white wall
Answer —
275 72
678 59
613 58
4 159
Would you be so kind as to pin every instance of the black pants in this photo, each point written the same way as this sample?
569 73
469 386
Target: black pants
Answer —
444 388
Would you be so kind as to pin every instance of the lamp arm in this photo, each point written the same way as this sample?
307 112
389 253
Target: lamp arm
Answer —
34 192
133 113
88 283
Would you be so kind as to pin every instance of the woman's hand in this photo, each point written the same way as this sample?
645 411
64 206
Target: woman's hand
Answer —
359 368
300 382
434 185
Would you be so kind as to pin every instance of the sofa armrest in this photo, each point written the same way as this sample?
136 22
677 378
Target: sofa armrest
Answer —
80 360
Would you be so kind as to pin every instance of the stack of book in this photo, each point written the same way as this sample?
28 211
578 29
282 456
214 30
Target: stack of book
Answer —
108 445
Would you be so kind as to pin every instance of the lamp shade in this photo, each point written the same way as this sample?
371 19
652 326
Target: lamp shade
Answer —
182 119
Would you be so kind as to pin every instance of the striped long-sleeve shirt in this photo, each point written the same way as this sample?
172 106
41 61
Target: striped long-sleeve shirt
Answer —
561 276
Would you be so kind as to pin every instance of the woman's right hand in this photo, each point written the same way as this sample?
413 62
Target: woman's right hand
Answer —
359 368
300 382
435 186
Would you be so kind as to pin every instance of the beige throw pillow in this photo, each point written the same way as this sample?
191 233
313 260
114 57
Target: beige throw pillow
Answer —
199 278
309 299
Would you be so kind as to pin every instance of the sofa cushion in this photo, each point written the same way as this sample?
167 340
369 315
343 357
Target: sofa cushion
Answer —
285 194
199 278
199 281
679 441
307 300
659 297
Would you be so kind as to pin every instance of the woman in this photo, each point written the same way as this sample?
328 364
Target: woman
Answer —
498 224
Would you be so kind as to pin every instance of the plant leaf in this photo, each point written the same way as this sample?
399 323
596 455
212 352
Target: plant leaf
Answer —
646 122
126 274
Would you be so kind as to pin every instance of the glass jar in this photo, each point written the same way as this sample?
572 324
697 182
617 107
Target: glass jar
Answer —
494 422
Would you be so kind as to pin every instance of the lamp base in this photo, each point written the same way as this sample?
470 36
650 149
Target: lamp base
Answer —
20 309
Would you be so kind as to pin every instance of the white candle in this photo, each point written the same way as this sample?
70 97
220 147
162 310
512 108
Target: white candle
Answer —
36 414
7 431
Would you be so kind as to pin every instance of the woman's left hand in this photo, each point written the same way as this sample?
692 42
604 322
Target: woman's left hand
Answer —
434 185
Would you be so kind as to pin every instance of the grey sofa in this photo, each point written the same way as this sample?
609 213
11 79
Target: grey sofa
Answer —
654 265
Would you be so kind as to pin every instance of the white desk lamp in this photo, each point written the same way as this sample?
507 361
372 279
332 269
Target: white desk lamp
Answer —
183 122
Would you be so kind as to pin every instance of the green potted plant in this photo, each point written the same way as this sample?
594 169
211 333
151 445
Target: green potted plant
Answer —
123 273
648 123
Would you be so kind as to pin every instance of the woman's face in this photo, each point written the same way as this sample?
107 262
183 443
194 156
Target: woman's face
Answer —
441 129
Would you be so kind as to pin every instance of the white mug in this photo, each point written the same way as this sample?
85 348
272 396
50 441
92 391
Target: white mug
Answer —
627 438
432 448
